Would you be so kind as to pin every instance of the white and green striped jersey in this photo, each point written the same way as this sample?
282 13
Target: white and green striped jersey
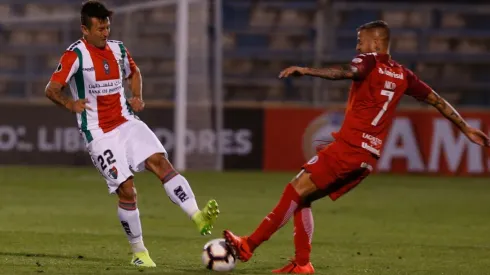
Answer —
97 75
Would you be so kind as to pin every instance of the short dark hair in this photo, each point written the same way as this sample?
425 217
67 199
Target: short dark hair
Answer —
378 24
93 9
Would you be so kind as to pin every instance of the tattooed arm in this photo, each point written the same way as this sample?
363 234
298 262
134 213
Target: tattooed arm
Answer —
448 111
333 73
54 91
358 69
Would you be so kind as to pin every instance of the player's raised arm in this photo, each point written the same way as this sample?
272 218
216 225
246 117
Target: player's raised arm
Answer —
421 91
357 70
333 73
372 38
448 111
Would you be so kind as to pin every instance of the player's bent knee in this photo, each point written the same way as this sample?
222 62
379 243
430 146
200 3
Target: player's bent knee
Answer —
161 167
157 162
127 191
304 185
157 159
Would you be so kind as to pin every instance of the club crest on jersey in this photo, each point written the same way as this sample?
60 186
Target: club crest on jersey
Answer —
112 173
106 66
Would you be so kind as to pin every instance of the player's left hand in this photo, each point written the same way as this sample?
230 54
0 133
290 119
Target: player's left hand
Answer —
137 104
477 136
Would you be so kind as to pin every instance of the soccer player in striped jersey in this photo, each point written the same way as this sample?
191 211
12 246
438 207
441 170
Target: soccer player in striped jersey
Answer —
118 142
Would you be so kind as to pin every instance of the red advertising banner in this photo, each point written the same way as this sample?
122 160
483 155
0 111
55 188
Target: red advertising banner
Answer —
418 142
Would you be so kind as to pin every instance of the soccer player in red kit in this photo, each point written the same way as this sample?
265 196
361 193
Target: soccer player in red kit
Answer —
378 83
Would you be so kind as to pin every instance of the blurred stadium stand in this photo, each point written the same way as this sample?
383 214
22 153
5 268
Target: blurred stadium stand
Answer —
446 44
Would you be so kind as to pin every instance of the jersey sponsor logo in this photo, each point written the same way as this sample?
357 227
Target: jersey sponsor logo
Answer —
91 69
390 73
108 87
374 143
370 148
373 140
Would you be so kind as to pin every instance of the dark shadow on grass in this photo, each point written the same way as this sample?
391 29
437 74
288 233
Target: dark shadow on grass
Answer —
52 256
206 271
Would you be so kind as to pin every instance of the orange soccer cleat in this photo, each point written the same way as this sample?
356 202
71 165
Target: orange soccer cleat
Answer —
239 245
295 268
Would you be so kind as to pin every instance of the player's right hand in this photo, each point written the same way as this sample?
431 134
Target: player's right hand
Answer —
78 106
292 71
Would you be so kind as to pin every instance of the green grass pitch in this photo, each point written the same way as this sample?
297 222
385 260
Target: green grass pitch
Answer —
62 221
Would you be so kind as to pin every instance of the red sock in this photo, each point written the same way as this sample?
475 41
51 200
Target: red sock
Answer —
303 233
277 218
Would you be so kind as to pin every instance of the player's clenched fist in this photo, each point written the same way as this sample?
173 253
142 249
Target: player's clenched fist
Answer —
78 106
293 71
137 104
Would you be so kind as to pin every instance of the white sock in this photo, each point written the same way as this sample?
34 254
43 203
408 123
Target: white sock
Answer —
180 193
130 220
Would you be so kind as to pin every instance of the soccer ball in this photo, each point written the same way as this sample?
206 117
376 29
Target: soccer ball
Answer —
218 256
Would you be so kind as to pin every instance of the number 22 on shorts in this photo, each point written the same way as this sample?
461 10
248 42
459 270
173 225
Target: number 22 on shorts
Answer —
108 157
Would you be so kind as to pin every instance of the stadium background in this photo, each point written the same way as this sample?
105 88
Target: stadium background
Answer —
265 119
57 218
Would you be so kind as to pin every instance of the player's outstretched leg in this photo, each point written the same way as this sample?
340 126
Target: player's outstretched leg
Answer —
239 244
129 216
292 196
303 233
180 193
279 216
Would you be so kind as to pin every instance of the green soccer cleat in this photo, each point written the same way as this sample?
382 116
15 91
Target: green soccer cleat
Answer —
205 218
142 259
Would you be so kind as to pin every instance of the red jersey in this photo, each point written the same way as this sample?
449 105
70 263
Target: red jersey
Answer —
373 98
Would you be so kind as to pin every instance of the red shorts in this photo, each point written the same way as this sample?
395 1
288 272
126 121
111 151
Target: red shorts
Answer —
339 167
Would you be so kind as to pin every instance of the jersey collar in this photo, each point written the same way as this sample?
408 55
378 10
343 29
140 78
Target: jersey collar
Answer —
92 47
